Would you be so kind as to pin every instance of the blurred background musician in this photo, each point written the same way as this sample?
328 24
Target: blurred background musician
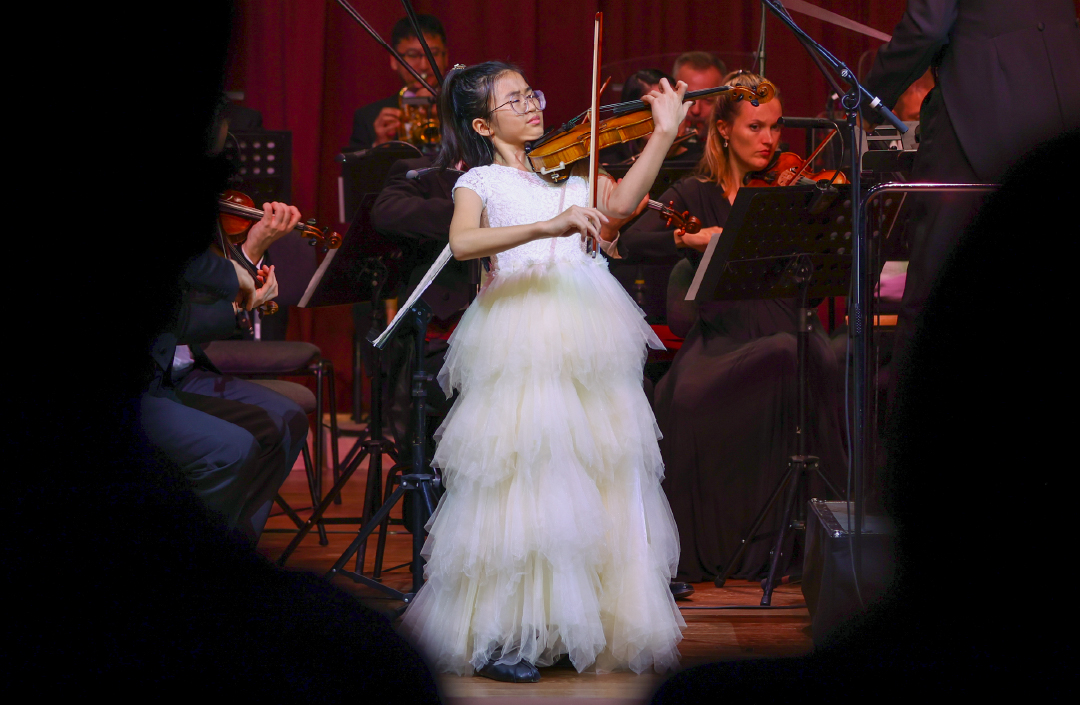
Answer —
727 405
380 121
234 440
298 260
1005 77
414 212
636 85
699 70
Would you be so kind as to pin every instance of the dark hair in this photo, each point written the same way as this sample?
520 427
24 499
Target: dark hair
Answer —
403 29
638 84
465 96
700 61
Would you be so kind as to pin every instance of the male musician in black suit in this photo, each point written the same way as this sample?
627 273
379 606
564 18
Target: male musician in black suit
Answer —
415 213
1006 79
380 121
234 440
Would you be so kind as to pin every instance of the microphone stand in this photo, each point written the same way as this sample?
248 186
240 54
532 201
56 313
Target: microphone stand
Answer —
861 281
393 52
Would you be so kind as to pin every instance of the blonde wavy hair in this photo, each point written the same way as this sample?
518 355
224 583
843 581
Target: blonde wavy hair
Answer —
715 165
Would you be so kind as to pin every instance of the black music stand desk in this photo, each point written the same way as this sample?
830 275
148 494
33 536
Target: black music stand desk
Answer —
787 242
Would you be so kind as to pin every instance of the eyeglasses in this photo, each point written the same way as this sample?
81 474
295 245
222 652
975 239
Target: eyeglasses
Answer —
521 105
416 54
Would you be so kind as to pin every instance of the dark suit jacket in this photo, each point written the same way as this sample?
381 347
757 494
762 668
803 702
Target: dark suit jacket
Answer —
1007 70
363 127
416 214
210 286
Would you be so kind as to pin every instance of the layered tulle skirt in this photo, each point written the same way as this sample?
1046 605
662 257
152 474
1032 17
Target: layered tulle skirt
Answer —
554 536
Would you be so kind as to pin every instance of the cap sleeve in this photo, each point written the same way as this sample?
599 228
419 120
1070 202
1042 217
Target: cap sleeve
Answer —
474 181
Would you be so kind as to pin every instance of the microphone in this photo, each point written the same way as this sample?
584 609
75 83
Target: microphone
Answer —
809 123
884 111
417 173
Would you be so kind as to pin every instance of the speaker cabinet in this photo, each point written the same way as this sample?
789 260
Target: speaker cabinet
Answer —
828 582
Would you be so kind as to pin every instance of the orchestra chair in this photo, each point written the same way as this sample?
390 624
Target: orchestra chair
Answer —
681 314
305 399
267 360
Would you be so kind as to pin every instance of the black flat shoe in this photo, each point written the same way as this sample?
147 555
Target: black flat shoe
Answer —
681 591
520 672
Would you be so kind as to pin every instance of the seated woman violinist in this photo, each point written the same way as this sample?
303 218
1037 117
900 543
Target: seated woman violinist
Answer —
727 405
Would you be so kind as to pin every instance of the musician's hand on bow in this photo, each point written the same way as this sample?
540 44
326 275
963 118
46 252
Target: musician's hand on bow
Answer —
575 219
668 108
268 289
699 240
246 295
279 219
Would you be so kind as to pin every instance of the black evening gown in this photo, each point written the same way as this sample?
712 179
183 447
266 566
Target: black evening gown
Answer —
728 409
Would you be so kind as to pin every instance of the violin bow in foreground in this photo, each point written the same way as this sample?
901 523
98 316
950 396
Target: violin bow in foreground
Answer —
594 123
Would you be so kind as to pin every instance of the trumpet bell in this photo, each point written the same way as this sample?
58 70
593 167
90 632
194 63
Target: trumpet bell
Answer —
420 119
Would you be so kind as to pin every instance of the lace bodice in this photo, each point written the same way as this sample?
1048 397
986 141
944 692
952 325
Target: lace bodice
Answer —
514 197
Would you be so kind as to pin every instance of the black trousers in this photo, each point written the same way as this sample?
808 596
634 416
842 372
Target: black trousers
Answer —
938 220
236 441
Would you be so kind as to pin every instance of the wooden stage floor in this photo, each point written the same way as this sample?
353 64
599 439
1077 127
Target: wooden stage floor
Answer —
710 635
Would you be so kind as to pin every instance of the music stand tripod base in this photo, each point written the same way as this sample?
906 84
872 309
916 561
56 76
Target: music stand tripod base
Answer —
420 483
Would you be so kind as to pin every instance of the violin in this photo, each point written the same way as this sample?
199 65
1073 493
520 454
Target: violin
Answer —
552 154
237 213
682 221
790 162
232 232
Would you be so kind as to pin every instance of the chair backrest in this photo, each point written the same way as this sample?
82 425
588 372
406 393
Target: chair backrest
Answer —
681 314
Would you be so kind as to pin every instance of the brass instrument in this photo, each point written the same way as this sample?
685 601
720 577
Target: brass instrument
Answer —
419 119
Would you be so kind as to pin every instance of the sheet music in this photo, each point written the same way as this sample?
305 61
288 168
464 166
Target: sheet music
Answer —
429 277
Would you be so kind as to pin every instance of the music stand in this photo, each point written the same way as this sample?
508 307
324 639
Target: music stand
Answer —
421 482
364 172
262 161
793 242
357 272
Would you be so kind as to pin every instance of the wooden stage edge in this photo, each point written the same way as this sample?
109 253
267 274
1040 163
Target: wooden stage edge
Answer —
710 635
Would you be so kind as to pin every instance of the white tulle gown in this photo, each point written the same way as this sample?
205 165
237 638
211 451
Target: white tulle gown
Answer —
554 536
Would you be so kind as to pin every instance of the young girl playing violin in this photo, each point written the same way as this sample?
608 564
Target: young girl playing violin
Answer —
554 539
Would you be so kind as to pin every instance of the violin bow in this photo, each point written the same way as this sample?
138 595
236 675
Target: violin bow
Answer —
813 156
594 123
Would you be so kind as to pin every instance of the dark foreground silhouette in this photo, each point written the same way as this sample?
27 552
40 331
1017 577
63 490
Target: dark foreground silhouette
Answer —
118 581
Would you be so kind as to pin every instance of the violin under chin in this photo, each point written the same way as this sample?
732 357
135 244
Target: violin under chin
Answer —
757 163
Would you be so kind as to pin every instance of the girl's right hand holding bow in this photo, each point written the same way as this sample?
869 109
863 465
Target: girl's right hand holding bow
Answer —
576 219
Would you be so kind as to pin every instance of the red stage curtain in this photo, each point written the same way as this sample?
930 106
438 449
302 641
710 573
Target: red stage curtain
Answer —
307 66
